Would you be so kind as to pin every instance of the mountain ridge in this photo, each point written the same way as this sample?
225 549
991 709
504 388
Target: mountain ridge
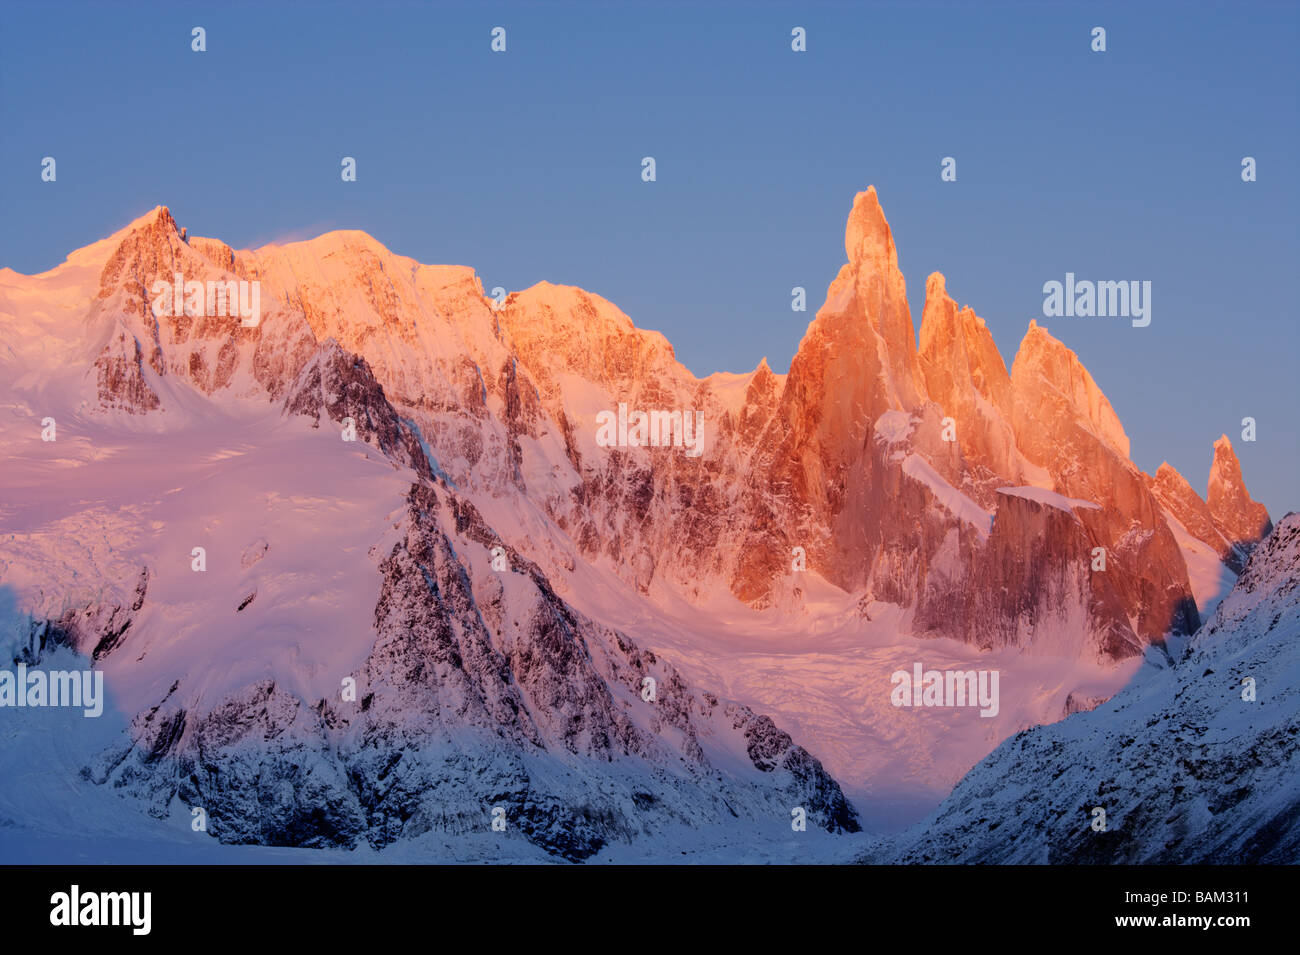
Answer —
798 429
896 483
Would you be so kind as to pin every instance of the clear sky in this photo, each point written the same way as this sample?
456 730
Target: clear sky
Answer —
526 165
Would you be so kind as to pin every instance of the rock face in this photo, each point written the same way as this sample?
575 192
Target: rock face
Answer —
343 386
1242 521
1038 578
121 381
965 375
94 628
1066 425
1233 525
1185 505
1193 763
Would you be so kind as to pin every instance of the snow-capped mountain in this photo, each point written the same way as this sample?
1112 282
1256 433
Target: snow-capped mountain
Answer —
477 688
1194 762
499 578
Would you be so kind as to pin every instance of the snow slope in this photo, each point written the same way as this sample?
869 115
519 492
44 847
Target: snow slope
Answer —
1190 763
325 561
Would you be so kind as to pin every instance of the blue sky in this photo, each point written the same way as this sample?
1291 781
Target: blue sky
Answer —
526 165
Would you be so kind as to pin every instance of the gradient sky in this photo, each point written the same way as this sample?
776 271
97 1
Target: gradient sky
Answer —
526 166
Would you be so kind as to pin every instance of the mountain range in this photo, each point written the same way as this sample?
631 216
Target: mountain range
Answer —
612 644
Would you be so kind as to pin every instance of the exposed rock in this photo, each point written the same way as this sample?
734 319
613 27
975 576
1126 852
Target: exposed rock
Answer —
1185 505
343 386
1242 521
1189 764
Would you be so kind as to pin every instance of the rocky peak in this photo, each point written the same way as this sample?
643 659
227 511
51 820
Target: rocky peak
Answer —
763 384
560 328
857 360
1241 520
866 310
965 374
1178 498
867 237
1043 364
150 247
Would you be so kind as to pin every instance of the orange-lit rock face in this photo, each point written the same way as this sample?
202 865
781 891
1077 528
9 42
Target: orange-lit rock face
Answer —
965 375
1238 518
887 463
1185 505
1064 424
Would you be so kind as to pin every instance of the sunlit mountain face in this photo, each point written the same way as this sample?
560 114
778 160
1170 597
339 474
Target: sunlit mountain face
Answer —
365 559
